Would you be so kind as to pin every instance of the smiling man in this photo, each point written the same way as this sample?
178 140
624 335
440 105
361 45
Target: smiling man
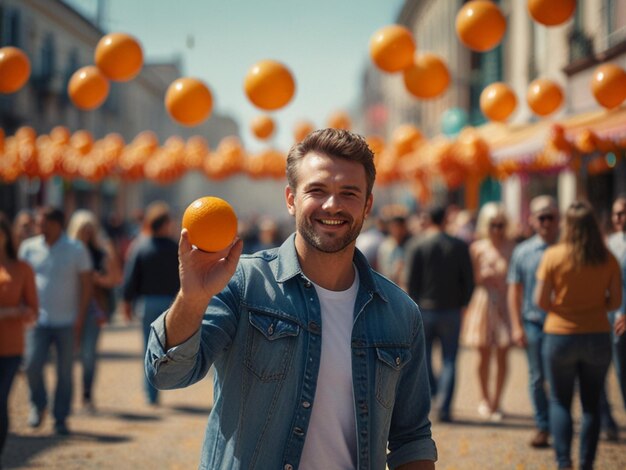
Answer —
319 360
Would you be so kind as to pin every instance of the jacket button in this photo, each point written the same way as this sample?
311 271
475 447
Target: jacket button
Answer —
307 284
306 404
288 466
298 431
397 361
314 327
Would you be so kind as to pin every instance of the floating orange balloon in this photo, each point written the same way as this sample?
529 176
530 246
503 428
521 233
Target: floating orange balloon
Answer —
498 101
262 126
405 139
392 48
608 85
14 69
480 25
551 12
88 88
188 101
302 129
428 77
544 96
339 120
269 85
119 56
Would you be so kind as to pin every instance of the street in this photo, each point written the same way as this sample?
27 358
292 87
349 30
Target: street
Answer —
125 433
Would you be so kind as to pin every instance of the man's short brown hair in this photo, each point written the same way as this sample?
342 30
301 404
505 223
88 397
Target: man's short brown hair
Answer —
337 143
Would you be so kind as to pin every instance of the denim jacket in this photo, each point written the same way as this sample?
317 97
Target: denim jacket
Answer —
262 333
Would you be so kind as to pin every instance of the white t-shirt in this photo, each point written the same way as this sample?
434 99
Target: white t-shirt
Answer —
330 442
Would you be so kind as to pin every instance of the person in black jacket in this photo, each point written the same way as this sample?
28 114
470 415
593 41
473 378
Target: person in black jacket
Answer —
151 275
439 278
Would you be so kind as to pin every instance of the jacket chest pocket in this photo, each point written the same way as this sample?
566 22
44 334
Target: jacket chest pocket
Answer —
269 345
389 365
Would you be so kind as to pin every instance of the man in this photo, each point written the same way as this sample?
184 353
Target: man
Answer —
151 276
63 275
318 359
440 279
391 250
617 244
526 317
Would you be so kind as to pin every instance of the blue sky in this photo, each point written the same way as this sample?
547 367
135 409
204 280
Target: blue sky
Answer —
323 42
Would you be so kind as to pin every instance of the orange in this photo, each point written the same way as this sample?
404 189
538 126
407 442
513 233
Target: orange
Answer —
88 88
119 56
262 126
211 223
188 101
427 77
551 12
392 48
14 69
480 25
269 85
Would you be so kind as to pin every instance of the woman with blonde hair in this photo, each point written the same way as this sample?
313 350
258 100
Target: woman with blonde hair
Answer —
578 282
107 274
486 324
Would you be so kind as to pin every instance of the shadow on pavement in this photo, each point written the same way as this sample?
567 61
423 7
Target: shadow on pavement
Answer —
194 410
21 449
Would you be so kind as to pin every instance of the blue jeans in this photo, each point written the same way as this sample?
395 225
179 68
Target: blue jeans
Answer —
38 342
148 308
8 369
88 349
536 376
444 325
582 357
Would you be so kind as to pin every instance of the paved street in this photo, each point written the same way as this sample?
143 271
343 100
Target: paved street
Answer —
125 433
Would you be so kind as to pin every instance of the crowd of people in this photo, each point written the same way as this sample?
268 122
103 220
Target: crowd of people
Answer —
558 293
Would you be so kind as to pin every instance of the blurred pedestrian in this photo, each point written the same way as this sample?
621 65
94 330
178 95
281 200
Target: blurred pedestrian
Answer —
486 324
578 283
151 275
84 227
391 250
18 308
527 318
319 361
63 274
439 278
23 227
369 240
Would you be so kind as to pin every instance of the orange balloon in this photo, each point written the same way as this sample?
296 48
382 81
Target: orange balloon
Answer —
544 96
405 139
119 56
269 85
339 120
498 101
14 69
608 85
88 88
211 223
188 101
480 25
428 77
262 126
392 48
302 129
551 12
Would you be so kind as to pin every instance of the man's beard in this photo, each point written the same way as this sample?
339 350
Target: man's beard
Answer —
325 243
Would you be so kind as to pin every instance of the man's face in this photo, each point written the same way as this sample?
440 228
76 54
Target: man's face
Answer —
330 203
48 228
618 216
545 222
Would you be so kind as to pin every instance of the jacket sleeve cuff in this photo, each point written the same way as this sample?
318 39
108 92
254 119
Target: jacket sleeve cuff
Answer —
424 449
181 352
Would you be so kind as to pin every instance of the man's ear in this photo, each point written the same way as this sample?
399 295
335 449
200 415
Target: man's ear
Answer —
368 205
289 199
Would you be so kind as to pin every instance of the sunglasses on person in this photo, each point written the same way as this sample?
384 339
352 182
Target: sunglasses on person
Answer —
545 218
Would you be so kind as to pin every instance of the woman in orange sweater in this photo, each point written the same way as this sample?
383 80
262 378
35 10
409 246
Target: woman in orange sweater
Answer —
579 281
18 306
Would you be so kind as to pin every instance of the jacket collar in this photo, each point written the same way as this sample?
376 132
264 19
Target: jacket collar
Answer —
287 266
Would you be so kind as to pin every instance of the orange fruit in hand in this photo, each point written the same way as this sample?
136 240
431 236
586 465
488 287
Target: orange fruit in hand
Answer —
211 223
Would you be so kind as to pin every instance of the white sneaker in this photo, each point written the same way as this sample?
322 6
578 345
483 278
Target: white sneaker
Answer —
483 410
496 416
